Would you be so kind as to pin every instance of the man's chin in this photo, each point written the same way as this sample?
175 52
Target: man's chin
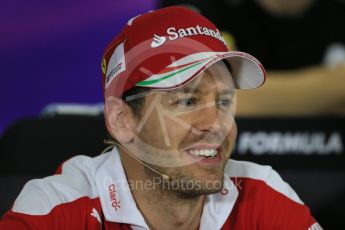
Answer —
193 193
189 188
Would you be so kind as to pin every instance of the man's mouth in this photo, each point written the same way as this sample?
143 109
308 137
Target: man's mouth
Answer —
209 154
203 152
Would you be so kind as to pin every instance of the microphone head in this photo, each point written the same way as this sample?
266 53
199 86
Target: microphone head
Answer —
165 177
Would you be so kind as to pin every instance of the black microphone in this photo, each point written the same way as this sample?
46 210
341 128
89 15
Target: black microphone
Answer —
113 143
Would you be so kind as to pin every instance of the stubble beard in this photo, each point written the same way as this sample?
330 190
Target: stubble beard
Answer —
182 182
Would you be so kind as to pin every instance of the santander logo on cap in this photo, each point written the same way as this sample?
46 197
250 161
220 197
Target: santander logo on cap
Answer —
157 41
175 33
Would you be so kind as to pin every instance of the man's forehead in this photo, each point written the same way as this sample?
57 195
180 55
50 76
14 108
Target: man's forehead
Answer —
216 78
221 89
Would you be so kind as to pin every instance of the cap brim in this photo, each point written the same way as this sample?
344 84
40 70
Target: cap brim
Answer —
247 71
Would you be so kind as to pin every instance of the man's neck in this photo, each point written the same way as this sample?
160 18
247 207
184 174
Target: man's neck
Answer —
159 207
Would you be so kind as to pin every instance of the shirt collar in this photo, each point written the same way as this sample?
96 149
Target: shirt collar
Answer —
116 198
217 206
119 205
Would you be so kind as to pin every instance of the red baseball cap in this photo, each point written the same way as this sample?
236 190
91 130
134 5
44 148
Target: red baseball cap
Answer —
168 47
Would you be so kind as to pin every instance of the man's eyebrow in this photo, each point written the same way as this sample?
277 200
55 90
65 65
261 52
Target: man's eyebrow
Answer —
191 90
227 92
185 90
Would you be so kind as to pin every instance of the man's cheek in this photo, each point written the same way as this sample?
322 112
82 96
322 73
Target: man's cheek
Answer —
173 133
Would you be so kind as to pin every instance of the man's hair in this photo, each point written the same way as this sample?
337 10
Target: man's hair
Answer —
135 98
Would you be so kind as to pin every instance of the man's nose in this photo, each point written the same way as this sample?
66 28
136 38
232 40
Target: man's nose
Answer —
208 119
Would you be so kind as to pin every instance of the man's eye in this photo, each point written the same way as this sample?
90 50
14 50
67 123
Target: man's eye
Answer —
224 102
186 101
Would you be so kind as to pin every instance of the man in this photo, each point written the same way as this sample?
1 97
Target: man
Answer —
169 86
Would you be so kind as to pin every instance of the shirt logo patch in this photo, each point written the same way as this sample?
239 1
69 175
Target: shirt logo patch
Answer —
224 191
95 214
113 197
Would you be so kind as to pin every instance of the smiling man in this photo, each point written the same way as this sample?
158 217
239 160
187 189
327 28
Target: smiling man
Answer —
169 109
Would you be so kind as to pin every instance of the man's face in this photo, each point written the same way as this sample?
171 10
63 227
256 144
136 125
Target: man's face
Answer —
188 133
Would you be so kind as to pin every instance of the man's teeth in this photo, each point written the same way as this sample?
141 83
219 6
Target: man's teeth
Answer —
204 152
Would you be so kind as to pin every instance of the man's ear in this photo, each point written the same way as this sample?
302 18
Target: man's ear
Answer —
117 115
